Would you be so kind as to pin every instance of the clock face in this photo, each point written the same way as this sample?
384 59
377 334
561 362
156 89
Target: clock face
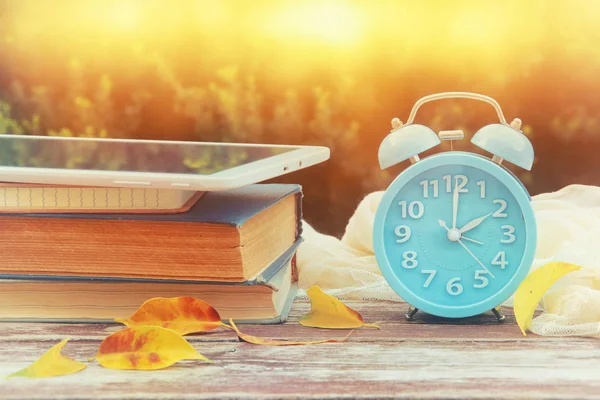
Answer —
454 236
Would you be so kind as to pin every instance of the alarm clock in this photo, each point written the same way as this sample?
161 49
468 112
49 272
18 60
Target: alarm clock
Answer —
455 234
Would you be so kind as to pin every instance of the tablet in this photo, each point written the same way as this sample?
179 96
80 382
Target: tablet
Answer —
148 163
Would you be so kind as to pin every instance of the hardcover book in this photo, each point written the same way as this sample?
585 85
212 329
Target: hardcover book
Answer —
265 299
225 236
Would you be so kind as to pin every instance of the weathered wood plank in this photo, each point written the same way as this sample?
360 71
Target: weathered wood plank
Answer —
402 360
458 370
390 316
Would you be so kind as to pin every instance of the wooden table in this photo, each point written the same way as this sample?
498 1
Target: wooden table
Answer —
426 358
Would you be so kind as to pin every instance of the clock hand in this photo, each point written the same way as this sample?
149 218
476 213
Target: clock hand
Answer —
443 225
471 240
454 205
476 259
474 223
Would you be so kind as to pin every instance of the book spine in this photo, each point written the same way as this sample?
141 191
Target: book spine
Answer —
299 216
299 219
294 269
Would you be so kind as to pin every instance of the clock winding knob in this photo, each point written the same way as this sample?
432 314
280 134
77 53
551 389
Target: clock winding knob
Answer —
396 123
516 123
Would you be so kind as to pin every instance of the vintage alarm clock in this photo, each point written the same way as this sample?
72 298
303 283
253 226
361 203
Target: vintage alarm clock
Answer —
455 234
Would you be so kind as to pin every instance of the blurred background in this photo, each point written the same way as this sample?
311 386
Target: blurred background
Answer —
330 73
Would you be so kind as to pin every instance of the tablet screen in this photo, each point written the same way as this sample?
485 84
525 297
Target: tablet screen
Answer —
189 158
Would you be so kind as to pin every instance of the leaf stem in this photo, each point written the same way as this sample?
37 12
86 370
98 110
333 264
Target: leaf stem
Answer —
371 326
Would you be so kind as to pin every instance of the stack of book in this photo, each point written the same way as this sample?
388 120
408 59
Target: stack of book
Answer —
95 254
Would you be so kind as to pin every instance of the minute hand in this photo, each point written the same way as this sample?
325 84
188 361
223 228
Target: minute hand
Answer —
472 224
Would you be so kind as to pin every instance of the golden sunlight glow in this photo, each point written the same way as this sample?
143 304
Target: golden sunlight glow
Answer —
304 35
124 15
332 22
472 27
307 72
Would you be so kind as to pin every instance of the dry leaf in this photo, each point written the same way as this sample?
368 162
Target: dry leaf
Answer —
269 342
51 363
533 288
328 312
146 348
182 314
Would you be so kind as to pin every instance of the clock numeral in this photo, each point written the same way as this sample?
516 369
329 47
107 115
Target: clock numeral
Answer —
434 186
479 276
500 212
448 180
510 230
415 209
481 185
453 287
410 259
463 182
431 273
460 181
403 233
500 260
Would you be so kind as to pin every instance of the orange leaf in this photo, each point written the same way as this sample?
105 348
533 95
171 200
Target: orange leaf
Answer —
182 314
145 347
269 342
328 312
51 363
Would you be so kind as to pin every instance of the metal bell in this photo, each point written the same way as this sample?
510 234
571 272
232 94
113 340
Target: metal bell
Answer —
506 142
405 142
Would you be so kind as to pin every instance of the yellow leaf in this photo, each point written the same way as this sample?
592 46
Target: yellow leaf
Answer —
533 288
181 314
328 312
270 342
145 348
51 363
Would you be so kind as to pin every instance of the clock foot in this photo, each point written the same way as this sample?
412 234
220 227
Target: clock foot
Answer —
411 313
498 313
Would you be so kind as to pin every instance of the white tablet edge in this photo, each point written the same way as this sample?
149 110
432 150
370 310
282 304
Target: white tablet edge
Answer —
253 172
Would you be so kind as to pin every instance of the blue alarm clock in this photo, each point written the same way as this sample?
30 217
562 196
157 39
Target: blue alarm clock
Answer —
455 234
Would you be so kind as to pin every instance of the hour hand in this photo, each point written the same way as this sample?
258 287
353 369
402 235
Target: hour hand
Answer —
443 225
474 223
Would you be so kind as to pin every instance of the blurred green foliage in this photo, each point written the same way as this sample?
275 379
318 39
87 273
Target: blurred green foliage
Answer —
209 71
